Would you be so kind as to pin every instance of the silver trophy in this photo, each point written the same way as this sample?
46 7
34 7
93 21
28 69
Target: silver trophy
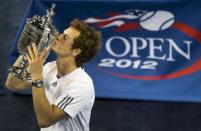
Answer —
39 30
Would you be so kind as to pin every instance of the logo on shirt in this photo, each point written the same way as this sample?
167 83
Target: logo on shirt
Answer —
54 84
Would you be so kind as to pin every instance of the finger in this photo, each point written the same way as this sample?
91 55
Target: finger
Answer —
31 55
35 50
45 53
28 58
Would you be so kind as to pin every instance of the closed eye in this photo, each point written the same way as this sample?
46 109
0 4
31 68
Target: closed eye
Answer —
65 36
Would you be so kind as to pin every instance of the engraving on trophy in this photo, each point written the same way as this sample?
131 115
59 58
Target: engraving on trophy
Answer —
29 35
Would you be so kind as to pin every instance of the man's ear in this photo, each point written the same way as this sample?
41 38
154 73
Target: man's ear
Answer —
76 51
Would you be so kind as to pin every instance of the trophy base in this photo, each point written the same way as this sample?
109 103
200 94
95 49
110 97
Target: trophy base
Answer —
20 73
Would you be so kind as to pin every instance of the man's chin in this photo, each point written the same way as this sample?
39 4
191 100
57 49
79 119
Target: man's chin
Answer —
54 50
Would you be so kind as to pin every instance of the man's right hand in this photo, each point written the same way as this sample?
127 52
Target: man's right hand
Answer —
15 84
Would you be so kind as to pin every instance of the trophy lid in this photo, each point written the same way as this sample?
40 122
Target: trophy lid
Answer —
42 22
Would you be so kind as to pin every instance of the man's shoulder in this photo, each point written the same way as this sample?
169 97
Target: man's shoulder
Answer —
82 75
78 78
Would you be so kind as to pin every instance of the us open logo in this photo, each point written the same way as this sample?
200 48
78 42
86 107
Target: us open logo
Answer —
147 45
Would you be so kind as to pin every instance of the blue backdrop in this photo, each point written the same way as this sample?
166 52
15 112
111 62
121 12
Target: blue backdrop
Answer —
151 49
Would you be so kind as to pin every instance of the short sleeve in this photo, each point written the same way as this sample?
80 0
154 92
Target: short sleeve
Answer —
74 98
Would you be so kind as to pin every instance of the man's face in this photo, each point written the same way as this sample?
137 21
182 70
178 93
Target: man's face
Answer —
62 45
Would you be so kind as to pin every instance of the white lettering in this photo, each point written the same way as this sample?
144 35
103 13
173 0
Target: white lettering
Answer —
154 46
122 41
135 44
176 47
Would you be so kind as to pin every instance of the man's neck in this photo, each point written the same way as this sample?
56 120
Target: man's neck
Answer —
65 66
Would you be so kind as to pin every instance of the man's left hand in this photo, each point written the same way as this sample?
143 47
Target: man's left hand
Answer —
36 61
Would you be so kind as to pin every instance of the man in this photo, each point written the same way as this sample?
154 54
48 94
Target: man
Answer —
63 93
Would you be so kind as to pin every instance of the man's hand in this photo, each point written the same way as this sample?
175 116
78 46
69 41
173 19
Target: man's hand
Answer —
36 61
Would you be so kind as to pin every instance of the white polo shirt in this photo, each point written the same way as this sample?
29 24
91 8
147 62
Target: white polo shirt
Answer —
73 93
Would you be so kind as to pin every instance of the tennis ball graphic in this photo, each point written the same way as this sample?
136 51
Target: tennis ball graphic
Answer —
157 20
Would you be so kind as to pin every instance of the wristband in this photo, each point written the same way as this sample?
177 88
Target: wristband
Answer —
37 83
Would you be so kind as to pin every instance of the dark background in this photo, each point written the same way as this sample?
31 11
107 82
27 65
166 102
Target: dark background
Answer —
16 111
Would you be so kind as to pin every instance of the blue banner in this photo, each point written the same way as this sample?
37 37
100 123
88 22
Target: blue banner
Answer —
151 49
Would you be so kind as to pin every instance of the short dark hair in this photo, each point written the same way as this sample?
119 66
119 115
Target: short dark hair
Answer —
89 41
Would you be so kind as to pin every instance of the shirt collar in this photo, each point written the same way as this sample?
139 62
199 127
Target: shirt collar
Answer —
71 74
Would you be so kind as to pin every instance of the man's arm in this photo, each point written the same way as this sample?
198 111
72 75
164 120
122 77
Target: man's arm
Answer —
15 84
46 113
